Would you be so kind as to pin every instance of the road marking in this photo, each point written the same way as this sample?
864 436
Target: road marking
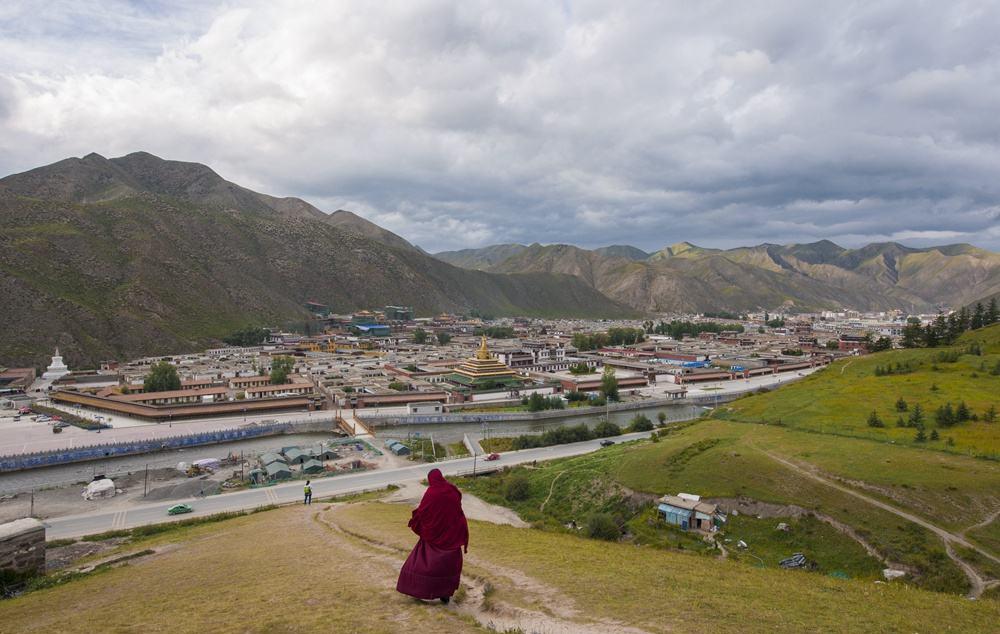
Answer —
118 521
271 495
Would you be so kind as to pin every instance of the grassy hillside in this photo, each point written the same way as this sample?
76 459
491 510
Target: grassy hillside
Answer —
718 459
839 399
334 569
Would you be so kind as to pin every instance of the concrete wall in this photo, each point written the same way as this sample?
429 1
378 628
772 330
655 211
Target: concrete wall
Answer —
22 546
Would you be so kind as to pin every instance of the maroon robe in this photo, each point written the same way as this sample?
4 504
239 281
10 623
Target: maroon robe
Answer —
434 568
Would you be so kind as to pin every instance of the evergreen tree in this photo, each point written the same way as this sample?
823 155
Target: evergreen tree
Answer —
992 313
962 413
921 436
916 416
609 384
990 415
900 405
913 336
935 435
945 416
874 420
978 316
281 367
162 377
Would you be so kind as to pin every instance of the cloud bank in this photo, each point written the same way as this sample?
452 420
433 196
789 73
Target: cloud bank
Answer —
461 124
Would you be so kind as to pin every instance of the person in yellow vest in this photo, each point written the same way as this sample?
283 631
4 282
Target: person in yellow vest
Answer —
309 493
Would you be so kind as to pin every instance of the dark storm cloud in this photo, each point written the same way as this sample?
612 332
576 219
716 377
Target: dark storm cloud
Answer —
461 123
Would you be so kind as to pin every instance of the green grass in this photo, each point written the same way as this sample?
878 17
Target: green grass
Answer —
828 549
496 444
719 459
838 399
661 591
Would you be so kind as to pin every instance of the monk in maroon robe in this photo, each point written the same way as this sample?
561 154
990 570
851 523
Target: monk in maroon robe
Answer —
434 567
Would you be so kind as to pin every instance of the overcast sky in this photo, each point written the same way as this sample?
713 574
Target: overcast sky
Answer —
460 124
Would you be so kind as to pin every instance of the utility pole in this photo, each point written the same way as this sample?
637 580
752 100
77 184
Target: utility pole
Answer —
31 513
145 482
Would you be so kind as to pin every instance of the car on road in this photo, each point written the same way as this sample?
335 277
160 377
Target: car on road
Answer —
493 456
178 509
607 443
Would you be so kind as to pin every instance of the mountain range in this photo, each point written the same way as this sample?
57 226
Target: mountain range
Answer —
820 275
136 255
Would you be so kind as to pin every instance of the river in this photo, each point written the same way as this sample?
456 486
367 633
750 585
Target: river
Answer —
445 433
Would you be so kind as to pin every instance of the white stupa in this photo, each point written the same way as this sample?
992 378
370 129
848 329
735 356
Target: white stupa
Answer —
57 369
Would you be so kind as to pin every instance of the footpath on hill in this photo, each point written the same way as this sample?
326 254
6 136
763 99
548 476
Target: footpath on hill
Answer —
978 582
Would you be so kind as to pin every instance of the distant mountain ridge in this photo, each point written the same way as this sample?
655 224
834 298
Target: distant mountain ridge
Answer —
136 255
821 275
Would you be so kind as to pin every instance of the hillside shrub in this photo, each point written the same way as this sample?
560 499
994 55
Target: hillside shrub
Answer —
516 488
640 422
605 429
602 526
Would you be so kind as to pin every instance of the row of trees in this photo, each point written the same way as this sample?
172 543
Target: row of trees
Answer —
678 329
538 403
163 376
564 435
945 416
421 336
944 331
496 332
247 337
613 337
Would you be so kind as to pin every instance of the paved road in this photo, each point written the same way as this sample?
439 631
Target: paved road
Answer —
98 522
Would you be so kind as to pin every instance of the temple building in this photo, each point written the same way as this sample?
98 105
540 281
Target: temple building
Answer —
483 372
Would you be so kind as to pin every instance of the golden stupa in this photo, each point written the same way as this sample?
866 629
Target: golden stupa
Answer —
483 371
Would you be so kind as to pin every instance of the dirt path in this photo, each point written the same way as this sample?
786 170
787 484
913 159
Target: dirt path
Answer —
474 508
845 366
551 489
978 583
477 602
989 520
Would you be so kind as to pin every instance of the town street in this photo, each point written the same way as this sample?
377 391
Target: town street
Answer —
100 521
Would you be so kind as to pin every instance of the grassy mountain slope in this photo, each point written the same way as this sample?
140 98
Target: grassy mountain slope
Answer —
839 399
136 255
480 259
213 578
820 275
350 222
623 251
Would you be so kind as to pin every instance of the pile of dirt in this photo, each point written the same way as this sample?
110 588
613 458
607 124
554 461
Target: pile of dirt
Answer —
186 489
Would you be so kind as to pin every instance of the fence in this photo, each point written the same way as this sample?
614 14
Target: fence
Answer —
113 450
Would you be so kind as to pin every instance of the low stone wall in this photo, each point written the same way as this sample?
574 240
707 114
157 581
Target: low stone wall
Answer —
22 546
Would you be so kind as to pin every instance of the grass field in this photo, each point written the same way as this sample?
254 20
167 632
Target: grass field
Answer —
720 459
333 569
839 399
665 591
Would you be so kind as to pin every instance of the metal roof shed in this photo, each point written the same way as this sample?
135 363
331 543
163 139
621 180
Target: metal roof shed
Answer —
312 466
268 458
278 471
295 456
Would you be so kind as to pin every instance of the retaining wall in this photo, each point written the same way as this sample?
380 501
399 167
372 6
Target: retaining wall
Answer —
22 546
376 420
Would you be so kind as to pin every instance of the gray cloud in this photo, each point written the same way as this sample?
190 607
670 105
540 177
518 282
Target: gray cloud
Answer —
464 123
